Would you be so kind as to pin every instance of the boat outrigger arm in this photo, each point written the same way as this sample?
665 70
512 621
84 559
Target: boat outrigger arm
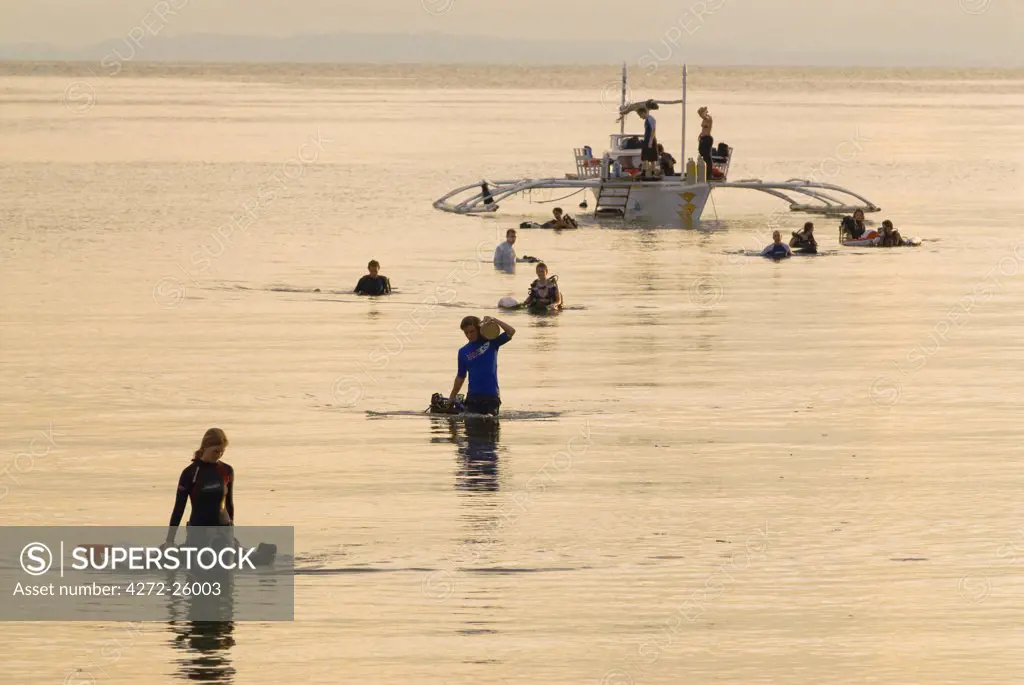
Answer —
664 199
796 192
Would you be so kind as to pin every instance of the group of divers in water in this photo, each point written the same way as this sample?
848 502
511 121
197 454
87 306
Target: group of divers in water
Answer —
852 231
208 483
478 360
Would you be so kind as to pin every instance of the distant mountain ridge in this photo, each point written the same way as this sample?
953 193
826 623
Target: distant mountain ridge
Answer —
441 48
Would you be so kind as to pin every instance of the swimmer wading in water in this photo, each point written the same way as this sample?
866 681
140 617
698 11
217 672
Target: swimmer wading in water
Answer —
544 293
209 484
478 359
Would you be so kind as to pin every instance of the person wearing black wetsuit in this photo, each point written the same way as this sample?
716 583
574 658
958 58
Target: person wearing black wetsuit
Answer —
209 484
373 283
803 241
854 227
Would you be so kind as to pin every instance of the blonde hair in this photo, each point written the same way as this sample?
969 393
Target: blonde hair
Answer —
214 437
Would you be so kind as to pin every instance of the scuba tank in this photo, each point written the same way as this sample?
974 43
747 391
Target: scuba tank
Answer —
691 171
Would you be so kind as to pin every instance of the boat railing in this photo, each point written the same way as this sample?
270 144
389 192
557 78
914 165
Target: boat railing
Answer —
587 166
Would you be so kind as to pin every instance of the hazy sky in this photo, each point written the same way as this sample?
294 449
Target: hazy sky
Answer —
986 27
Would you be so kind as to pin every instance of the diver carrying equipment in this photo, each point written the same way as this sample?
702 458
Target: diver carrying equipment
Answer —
439 404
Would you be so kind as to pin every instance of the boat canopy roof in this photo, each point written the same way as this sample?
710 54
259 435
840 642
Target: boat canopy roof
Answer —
645 104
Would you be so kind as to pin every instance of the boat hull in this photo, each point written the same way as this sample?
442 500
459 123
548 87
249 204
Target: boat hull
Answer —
666 203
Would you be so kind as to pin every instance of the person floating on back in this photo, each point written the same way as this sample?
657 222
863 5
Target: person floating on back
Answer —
561 220
373 283
778 249
479 359
209 484
803 241
544 293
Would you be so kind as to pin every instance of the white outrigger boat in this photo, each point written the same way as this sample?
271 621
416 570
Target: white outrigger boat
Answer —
661 200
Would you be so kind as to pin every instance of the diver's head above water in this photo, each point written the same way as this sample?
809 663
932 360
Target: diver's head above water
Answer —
557 211
510 236
373 267
471 327
213 446
858 215
776 237
542 271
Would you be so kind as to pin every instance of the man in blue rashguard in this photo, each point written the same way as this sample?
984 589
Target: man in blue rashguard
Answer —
479 359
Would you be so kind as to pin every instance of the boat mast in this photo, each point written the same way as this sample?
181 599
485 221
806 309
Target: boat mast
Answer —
682 158
622 124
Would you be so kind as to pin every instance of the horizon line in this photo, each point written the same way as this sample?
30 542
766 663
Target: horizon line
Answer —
689 65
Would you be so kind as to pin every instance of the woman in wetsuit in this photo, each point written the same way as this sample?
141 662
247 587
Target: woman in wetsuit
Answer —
544 292
854 228
209 483
803 241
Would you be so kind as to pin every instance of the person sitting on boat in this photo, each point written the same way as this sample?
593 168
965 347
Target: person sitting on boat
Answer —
853 228
705 141
560 221
373 283
544 292
803 240
778 249
649 151
667 162
890 236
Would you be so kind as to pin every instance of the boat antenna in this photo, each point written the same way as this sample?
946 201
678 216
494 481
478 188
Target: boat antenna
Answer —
622 103
682 157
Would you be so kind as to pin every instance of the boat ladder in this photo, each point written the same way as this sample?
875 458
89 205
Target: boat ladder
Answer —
613 198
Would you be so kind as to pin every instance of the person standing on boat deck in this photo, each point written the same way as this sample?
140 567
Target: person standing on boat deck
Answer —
373 283
479 359
649 150
705 141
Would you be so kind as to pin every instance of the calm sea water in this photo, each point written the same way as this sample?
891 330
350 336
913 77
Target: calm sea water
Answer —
750 472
